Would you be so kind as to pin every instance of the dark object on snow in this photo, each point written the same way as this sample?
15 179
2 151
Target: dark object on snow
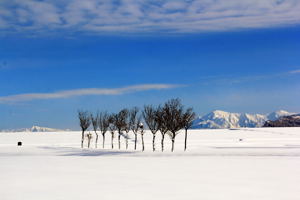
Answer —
19 143
240 140
286 121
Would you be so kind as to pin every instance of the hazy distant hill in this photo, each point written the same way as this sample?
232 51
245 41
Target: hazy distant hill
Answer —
222 119
34 129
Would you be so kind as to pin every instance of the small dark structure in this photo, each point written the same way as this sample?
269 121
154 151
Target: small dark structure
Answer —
19 143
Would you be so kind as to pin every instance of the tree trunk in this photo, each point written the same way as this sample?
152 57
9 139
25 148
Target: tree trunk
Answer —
153 142
96 142
143 148
126 140
185 139
119 140
173 141
103 142
112 141
162 141
135 140
89 141
82 139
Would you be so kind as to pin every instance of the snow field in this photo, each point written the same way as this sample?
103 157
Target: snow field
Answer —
217 165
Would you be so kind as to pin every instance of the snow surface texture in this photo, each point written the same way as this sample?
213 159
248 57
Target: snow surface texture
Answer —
221 119
247 164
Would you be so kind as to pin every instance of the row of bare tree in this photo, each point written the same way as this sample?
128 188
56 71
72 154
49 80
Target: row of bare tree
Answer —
168 118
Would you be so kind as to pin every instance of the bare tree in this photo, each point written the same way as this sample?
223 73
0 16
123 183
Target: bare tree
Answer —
135 121
112 128
103 123
95 120
161 121
173 117
187 120
149 115
120 123
85 121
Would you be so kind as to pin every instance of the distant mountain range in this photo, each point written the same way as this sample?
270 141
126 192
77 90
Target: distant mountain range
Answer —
34 129
215 120
221 119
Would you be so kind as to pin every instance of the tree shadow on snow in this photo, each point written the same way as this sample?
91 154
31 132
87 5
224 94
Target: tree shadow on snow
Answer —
71 151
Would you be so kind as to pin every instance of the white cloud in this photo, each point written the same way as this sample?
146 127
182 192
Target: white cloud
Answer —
221 80
175 5
136 16
295 71
83 92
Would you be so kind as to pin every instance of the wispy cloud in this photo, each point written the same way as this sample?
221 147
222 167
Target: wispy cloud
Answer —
294 71
86 91
242 79
136 16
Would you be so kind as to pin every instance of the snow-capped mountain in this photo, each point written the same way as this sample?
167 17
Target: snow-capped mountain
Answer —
222 119
34 129
280 113
43 129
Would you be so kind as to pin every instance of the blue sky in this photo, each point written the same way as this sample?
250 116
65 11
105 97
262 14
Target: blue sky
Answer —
60 56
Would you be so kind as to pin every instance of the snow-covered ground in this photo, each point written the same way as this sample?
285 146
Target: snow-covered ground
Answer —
242 164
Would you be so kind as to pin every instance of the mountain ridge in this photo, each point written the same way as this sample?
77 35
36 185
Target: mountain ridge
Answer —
219 119
34 129
285 121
